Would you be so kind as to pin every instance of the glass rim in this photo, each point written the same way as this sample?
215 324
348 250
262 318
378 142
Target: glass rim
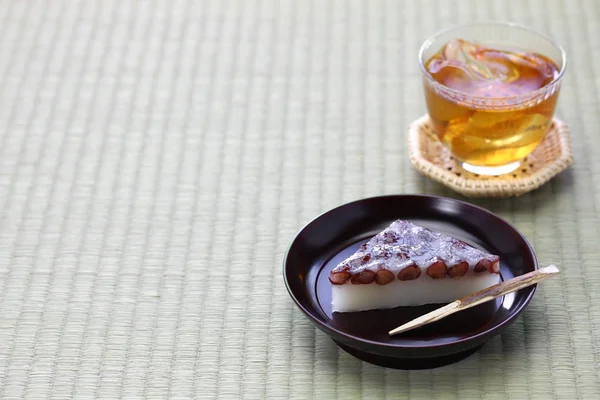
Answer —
431 39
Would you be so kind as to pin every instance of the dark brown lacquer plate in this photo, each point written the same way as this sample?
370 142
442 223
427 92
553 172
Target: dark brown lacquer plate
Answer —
336 234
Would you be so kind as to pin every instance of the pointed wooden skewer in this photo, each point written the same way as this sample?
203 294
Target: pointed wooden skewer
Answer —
479 297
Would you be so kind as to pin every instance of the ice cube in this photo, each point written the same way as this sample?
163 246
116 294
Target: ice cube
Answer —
502 129
478 62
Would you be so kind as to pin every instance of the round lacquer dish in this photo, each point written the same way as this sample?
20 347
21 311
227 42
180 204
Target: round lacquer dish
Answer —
337 234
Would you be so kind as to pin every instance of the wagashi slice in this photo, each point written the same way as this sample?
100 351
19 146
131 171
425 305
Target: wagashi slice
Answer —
409 265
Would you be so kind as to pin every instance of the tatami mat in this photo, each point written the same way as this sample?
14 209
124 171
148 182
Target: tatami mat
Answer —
157 157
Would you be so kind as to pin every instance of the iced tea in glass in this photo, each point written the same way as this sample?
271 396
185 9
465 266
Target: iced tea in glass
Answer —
491 91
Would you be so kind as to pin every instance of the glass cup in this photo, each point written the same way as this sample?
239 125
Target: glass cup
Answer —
491 109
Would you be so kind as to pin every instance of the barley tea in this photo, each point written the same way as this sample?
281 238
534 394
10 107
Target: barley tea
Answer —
490 115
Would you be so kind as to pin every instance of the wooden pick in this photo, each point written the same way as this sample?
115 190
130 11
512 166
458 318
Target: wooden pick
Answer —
482 296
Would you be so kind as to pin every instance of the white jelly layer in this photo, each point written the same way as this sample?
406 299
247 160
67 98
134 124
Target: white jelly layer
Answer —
424 290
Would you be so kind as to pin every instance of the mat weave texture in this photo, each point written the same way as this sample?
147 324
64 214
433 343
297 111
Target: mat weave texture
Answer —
157 157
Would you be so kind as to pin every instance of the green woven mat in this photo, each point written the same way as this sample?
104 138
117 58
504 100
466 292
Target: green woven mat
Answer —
156 158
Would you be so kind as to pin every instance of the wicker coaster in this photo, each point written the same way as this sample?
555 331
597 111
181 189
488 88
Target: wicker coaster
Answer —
433 160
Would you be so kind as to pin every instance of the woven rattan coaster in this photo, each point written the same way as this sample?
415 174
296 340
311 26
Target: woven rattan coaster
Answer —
433 160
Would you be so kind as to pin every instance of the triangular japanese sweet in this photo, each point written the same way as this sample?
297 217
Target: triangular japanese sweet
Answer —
409 265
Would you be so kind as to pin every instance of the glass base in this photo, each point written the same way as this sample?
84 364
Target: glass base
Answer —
492 171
